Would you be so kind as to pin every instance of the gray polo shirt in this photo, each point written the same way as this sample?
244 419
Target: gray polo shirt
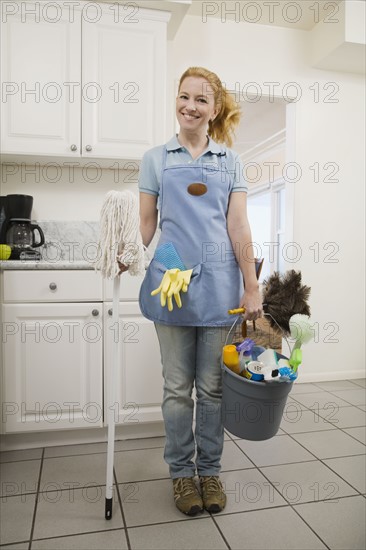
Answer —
152 161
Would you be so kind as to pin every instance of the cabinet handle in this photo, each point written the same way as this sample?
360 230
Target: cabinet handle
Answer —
88 148
95 313
73 147
110 312
53 286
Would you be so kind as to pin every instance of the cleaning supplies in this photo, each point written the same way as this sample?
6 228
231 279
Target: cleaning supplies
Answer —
173 281
245 349
120 235
302 332
301 329
230 357
269 358
295 359
236 356
254 370
167 255
283 297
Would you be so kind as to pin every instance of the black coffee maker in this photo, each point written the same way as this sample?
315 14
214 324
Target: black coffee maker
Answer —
17 230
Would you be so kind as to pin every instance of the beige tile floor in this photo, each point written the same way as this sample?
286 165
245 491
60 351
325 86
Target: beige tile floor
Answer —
303 489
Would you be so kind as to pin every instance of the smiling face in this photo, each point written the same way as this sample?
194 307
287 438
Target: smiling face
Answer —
195 105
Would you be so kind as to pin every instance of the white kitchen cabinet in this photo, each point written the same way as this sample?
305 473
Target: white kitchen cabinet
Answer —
52 366
82 82
52 351
139 386
129 288
57 346
127 60
40 60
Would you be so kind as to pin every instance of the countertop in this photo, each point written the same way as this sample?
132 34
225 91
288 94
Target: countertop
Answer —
42 264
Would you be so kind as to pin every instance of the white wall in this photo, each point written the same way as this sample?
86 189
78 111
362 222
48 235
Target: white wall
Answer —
61 194
323 212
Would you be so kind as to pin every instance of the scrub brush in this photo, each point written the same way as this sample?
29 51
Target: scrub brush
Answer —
302 332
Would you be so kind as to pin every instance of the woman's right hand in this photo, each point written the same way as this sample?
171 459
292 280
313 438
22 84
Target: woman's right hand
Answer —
122 267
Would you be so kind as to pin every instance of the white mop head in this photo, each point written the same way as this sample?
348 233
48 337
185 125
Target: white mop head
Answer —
120 235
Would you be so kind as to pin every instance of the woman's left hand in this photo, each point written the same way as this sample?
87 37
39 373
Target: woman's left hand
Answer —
252 302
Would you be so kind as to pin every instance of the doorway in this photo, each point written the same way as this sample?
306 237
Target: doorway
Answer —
265 144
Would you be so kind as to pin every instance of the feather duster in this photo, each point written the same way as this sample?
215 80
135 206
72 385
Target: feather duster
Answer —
284 296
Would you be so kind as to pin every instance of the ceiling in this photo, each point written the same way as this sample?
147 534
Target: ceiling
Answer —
278 13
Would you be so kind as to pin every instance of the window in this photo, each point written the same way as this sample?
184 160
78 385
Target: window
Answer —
266 213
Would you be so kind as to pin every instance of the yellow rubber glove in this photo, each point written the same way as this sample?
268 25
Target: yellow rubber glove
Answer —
172 283
181 283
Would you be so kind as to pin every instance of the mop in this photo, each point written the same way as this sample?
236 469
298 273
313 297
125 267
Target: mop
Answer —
120 239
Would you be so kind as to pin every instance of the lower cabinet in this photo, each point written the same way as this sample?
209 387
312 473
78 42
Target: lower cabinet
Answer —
57 348
139 384
52 366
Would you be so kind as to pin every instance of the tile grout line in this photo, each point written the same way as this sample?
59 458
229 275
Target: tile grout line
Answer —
94 453
308 409
342 429
36 501
317 384
76 534
332 394
301 462
219 530
122 512
321 460
296 512
222 514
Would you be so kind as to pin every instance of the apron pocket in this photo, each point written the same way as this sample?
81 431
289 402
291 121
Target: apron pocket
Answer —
213 289
151 306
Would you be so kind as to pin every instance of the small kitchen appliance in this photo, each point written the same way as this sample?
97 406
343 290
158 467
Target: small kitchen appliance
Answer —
17 229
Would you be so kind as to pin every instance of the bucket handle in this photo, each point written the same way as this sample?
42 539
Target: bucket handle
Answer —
266 315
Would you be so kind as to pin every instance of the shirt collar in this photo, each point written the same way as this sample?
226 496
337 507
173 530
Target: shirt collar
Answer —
173 145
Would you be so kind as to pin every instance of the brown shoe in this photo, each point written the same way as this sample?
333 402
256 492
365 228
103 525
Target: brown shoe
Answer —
186 496
214 498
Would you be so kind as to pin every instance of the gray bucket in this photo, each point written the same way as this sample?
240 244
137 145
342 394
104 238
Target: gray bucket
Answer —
252 410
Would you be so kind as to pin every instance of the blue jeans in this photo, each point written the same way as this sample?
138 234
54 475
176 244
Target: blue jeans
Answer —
191 356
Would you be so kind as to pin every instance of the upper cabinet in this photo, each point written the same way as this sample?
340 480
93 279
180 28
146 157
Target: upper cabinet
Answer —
84 81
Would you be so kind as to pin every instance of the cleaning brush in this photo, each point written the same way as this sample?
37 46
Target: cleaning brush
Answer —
301 330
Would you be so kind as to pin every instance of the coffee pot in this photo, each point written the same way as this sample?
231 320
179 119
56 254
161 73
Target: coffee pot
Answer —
17 229
20 236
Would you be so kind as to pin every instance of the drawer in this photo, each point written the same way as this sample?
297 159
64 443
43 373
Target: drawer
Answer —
52 286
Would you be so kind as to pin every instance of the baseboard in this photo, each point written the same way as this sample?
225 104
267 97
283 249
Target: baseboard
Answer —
34 440
307 378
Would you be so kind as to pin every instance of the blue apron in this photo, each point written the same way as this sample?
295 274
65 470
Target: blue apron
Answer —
193 219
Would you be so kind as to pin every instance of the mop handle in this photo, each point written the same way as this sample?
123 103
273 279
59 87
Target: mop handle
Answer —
111 400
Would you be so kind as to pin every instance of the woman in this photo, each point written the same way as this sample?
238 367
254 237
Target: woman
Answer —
201 259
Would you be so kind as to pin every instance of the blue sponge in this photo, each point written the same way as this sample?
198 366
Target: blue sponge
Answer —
168 256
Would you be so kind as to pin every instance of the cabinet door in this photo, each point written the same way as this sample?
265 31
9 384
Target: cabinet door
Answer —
125 58
41 79
139 385
52 366
129 288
